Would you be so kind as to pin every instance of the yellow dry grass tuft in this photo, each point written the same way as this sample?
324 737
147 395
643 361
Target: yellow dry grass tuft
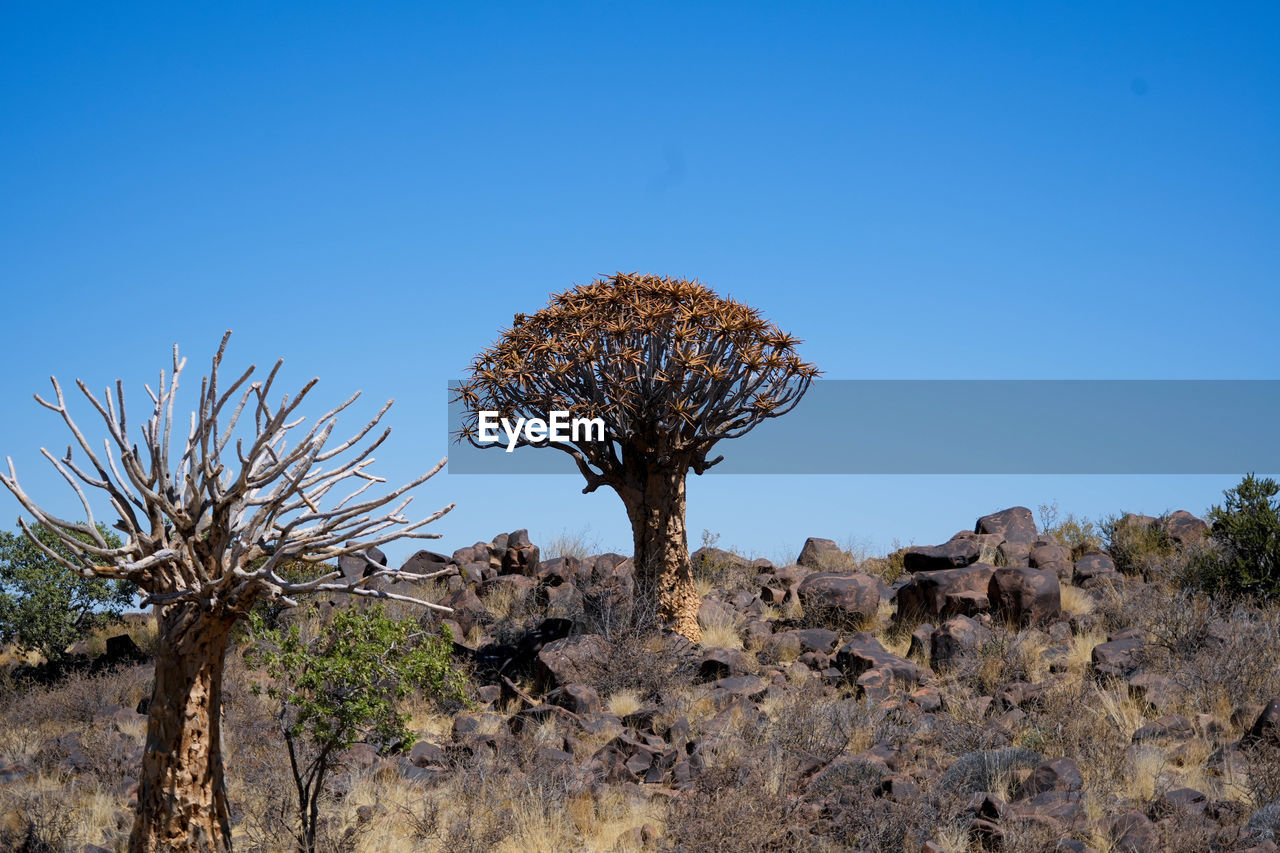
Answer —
623 703
1080 651
1076 601
720 633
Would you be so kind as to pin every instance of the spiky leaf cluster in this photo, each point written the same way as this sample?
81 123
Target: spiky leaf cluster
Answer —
670 366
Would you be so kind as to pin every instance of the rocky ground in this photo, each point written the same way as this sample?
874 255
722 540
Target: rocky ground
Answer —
1010 689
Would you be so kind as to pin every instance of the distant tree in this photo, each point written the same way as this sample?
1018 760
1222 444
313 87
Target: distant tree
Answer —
45 606
209 533
672 369
341 684
1246 528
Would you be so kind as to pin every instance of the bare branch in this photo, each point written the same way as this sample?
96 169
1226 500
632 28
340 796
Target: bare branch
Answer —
194 528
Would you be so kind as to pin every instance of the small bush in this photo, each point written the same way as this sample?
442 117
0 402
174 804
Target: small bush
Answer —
639 658
1138 545
1246 528
1080 535
45 606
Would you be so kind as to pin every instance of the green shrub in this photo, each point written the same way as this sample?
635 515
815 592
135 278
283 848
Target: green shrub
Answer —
341 683
45 606
1246 529
1138 544
1079 535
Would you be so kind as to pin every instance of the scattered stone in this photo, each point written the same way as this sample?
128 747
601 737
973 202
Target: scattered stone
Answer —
1093 568
1133 832
941 594
957 638
1013 554
1265 729
362 563
722 663
573 659
1025 596
1052 557
955 554
1117 658
581 699
1155 691
822 555
1184 528
1059 774
854 597
1015 524
864 652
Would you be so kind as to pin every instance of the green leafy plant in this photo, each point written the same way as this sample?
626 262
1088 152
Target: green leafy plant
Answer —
46 606
1138 544
1246 529
339 681
1076 533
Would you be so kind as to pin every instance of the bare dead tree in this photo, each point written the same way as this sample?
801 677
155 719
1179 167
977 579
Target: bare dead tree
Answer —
671 368
207 537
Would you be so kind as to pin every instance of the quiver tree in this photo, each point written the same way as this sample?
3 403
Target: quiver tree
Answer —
671 369
207 535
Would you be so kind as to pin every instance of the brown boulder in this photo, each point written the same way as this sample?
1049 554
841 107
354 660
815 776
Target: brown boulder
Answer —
856 596
1025 596
956 638
864 652
1015 524
1117 657
1265 729
1054 557
1059 774
822 555
937 595
573 659
1184 528
955 554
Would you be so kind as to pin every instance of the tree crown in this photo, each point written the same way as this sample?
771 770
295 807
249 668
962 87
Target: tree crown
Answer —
668 365
45 606
232 498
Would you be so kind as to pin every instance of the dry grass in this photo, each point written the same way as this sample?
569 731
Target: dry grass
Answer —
505 601
1080 651
791 610
576 544
1076 601
623 702
1219 655
720 633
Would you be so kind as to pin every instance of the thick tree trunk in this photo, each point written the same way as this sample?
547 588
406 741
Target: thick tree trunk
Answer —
656 509
182 797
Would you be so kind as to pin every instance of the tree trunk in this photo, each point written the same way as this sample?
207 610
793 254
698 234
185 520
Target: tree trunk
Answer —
656 509
182 796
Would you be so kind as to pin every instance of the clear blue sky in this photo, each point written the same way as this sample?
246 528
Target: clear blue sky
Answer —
371 191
